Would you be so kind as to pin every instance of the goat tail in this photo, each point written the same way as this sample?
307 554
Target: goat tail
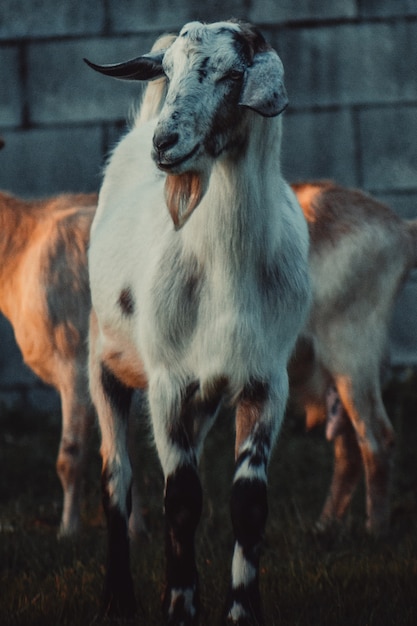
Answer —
412 229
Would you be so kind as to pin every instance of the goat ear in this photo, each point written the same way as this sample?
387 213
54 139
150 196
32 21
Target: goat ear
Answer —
146 67
263 87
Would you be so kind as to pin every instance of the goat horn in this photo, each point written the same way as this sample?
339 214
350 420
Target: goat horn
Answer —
146 67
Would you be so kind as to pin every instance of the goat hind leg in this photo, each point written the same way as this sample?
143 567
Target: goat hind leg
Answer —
347 470
112 400
376 441
77 418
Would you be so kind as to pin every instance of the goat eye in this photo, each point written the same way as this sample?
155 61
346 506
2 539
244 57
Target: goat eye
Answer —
235 75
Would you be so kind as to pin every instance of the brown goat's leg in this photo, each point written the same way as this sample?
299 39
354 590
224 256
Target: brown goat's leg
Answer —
112 400
376 440
77 418
137 525
346 473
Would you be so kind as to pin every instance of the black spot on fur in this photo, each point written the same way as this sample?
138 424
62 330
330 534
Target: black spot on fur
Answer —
249 41
270 278
202 70
126 301
183 502
257 458
273 278
118 594
249 510
178 296
256 391
119 395
225 132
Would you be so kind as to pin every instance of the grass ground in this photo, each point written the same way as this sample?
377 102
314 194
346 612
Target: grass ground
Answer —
355 580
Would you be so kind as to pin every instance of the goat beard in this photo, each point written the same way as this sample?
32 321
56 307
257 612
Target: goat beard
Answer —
183 193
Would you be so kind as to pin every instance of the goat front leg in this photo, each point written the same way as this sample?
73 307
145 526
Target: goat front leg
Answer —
183 500
257 422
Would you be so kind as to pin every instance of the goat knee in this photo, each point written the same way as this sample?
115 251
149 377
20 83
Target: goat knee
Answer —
69 469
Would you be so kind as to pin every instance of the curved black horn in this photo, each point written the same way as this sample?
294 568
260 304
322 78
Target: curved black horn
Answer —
146 67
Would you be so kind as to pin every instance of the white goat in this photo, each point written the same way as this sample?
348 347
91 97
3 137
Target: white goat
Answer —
201 307
360 254
44 293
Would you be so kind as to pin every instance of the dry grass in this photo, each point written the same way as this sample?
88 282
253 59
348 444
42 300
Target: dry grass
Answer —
353 580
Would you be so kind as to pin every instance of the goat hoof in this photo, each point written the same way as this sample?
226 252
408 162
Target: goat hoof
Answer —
243 613
120 603
181 607
244 621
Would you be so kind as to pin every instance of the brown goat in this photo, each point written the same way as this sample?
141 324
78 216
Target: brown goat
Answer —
360 254
44 293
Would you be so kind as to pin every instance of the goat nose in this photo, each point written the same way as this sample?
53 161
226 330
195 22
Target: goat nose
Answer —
165 141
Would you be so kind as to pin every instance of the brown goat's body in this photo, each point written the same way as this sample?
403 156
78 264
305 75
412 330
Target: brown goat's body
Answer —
360 254
44 293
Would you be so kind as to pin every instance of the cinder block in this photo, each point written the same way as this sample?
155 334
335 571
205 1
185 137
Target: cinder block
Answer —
11 399
113 134
170 15
20 18
387 8
137 15
13 371
41 162
349 64
43 399
10 92
389 149
404 204
319 145
63 88
403 328
271 11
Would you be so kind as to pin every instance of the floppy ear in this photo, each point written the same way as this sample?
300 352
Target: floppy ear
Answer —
263 86
146 67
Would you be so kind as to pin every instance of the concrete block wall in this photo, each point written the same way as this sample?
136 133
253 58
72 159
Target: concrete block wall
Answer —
350 74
